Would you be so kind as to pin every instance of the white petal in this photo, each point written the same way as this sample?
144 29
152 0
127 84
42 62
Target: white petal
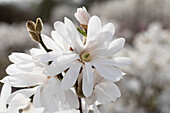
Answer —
115 46
103 39
87 87
73 34
67 58
13 69
50 56
55 86
71 75
18 102
25 79
94 26
89 73
26 92
71 99
49 43
48 99
96 110
59 40
54 69
122 61
92 99
107 92
38 110
61 30
5 93
37 97
19 57
108 72
118 61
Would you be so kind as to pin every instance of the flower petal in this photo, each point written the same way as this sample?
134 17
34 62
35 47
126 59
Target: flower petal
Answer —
19 57
26 92
108 72
71 76
61 30
25 79
71 99
94 26
59 40
5 93
107 92
54 69
87 87
89 72
118 61
73 34
50 43
115 46
18 102
55 86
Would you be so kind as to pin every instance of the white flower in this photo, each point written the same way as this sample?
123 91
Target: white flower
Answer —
18 102
82 16
27 72
98 52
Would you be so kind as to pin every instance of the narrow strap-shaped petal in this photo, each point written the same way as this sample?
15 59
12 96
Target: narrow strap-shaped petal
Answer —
5 94
87 87
49 43
89 73
61 30
26 92
118 61
25 79
73 34
107 92
71 99
71 76
108 72
94 26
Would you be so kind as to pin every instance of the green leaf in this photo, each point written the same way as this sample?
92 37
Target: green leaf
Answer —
82 32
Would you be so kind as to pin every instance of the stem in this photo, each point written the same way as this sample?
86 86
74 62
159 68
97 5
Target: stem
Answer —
43 45
80 107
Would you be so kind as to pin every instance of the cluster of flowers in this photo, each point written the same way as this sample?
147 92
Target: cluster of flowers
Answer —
72 72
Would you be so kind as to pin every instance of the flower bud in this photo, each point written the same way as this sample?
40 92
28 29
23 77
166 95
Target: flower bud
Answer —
39 25
30 26
34 36
82 16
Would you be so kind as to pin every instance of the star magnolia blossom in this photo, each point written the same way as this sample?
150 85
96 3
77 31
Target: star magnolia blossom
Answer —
18 102
27 72
97 52
82 16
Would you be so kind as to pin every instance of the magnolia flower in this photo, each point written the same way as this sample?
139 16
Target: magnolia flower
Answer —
82 16
18 102
28 72
70 53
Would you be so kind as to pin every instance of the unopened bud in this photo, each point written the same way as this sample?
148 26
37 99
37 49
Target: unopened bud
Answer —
30 26
82 16
39 25
34 36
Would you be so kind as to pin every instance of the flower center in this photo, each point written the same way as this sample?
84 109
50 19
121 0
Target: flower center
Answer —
85 56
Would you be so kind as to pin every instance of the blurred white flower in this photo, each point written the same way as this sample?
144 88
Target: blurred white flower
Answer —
28 72
82 15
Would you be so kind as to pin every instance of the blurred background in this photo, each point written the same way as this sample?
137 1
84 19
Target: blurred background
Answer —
144 23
